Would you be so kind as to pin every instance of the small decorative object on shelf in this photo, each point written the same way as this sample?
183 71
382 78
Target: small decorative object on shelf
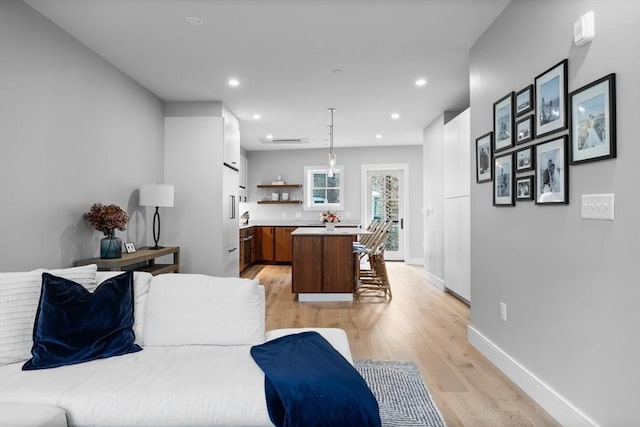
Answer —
329 219
106 219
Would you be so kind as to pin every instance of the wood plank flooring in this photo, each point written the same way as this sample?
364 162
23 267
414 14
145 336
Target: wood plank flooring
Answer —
421 324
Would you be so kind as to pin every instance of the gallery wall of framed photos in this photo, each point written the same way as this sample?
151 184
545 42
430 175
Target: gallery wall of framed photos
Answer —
542 129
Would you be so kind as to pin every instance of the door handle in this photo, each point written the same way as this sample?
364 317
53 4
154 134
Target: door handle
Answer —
233 207
401 223
231 250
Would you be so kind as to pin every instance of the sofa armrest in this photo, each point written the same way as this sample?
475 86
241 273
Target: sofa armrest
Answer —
31 415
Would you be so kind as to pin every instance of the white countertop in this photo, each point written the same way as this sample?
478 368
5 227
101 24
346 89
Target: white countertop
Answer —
321 231
296 223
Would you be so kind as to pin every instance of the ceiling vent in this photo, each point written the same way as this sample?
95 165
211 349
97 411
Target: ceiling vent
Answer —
284 140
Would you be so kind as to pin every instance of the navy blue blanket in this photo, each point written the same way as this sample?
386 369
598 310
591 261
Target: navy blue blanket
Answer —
309 383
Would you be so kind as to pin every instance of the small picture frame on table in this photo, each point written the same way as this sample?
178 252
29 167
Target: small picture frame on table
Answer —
524 130
484 157
524 159
552 172
524 188
551 100
593 121
503 183
129 247
503 123
524 100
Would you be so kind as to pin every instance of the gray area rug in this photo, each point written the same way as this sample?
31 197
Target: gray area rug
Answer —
403 397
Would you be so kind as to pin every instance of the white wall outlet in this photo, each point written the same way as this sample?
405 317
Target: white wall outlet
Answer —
503 311
298 214
597 206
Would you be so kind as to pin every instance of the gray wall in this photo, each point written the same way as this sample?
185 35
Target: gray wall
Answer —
264 166
73 131
571 285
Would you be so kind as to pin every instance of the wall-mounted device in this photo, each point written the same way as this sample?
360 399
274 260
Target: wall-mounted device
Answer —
584 29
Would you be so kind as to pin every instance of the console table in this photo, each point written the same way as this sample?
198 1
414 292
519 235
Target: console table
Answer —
144 259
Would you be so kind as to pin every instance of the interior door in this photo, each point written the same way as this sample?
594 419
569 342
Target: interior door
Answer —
385 201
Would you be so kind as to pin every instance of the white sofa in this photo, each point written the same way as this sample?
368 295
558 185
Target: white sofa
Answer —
194 370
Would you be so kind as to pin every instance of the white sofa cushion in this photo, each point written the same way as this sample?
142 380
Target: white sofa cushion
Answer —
19 297
141 282
194 309
31 415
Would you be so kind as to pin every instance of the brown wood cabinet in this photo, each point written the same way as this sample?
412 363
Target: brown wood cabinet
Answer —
283 245
323 264
266 240
247 244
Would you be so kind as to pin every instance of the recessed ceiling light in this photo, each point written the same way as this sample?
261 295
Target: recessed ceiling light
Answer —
269 136
378 136
234 82
421 82
192 20
395 116
257 116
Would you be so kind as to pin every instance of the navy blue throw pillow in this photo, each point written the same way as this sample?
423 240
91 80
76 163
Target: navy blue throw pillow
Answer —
74 325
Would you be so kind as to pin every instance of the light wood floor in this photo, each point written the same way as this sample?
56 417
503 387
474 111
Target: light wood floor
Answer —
421 324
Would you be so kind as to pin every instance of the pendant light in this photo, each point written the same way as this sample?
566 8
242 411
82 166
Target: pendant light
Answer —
332 155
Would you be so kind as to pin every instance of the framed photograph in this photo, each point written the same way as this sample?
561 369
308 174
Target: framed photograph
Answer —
524 100
484 155
129 247
552 173
503 123
593 121
503 184
551 100
524 130
524 159
524 188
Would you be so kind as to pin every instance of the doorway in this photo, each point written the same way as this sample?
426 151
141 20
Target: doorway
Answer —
384 198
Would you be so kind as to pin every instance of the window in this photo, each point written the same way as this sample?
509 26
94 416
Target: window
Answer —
323 192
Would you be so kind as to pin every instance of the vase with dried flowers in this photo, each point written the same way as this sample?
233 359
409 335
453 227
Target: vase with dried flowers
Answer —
107 218
329 219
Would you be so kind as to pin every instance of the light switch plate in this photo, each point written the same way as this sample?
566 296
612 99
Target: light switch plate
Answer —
597 206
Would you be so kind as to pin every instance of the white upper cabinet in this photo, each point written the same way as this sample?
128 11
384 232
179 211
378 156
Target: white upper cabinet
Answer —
231 139
457 155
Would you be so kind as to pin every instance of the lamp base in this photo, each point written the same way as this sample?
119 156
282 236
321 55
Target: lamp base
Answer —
156 247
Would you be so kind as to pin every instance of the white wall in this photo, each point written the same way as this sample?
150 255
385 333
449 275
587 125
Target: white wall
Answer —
73 131
571 285
264 166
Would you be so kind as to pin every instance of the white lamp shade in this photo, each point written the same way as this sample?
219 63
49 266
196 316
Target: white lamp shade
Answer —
160 195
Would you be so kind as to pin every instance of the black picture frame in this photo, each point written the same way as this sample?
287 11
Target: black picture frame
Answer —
551 99
524 100
592 121
503 182
524 159
503 123
524 130
524 188
552 172
484 158
129 247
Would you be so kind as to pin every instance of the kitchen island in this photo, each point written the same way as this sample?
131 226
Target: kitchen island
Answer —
324 267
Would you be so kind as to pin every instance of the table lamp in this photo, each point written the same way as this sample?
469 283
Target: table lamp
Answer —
158 195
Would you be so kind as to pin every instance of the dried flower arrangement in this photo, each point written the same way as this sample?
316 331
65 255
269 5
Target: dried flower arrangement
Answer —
105 218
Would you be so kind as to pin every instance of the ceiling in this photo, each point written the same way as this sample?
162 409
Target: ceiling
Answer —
285 54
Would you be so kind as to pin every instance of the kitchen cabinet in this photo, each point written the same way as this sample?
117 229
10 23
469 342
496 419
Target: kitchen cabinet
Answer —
231 139
206 191
283 245
266 240
457 205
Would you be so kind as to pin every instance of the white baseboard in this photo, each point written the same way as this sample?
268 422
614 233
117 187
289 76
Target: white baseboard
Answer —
434 280
414 261
552 402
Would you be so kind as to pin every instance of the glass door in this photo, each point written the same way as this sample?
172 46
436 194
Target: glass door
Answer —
384 202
